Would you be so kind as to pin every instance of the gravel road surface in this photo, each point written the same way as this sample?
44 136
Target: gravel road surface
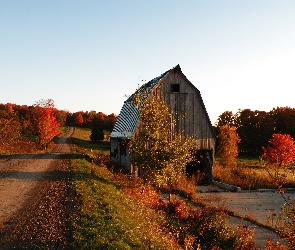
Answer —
35 200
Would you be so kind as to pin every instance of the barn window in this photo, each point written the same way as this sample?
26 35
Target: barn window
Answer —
175 88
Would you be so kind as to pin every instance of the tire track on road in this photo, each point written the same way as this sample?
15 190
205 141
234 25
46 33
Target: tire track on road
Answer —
34 200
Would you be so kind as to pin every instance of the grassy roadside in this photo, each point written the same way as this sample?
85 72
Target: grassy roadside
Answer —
108 219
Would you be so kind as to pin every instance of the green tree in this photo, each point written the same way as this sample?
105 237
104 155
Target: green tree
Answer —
226 118
157 148
284 120
254 129
228 148
97 134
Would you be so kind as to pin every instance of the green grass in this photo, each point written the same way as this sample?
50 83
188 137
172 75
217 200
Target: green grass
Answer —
108 219
32 138
82 138
105 217
62 131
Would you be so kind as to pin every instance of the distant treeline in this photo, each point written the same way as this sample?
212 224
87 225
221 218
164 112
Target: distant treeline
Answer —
26 116
255 128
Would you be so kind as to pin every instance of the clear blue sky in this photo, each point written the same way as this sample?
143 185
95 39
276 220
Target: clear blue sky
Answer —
87 55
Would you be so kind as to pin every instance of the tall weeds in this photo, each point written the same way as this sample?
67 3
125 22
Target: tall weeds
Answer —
250 177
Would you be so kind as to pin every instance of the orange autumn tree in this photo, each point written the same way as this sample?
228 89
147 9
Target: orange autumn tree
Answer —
46 122
281 150
228 148
78 119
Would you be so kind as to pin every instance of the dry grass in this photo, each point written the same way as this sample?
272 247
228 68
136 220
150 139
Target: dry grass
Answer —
253 177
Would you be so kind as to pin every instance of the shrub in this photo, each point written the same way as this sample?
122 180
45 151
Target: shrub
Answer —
281 150
228 148
97 134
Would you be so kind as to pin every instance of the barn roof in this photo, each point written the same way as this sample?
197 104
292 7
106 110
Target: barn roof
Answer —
129 115
127 121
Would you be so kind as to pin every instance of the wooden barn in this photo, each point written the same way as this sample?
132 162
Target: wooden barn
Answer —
184 100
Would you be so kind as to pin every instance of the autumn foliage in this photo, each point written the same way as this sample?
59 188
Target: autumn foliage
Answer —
78 119
25 128
10 132
255 127
11 138
228 149
281 150
47 126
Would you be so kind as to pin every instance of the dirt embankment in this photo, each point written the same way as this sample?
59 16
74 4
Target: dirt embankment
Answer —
35 200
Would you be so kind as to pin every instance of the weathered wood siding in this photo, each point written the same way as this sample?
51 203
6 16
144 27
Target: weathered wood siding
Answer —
189 110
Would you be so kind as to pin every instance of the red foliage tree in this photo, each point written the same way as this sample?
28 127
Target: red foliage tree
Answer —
78 119
46 122
281 150
88 118
9 108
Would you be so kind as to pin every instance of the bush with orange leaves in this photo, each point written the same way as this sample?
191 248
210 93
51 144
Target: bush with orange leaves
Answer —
281 150
280 153
193 228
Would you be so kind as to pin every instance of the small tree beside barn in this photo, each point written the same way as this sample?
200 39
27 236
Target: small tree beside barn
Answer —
184 116
160 152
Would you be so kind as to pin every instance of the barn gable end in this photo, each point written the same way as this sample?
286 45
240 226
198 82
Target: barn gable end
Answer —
184 100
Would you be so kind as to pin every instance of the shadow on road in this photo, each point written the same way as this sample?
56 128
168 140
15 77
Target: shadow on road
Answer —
33 176
57 175
42 156
62 140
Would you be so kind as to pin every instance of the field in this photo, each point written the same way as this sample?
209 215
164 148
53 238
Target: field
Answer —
254 174
82 138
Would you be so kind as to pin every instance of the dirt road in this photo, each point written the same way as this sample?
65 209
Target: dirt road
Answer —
35 199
